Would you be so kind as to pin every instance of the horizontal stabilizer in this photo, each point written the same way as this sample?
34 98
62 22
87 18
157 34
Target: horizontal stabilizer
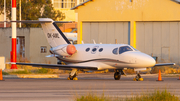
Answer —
165 64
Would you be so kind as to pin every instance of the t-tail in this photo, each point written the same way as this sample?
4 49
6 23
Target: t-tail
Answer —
52 32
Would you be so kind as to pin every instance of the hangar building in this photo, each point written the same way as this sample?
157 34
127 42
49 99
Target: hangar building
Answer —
151 26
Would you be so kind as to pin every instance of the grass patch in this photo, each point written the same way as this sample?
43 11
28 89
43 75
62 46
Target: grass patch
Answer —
42 71
93 97
155 96
5 73
20 72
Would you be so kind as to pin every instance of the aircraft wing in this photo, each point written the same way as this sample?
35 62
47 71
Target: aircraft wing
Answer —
164 64
66 67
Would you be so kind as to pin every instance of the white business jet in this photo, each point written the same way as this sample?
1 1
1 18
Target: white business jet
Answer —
92 56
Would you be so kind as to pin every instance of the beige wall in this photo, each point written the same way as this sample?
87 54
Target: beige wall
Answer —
37 39
105 32
159 39
34 39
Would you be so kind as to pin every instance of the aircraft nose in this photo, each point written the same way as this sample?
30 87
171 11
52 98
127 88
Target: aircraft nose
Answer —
148 61
143 60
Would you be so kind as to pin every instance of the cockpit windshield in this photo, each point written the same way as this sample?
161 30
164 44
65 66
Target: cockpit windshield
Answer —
133 48
124 49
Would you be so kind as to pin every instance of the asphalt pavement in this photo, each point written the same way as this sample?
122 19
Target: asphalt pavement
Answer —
61 89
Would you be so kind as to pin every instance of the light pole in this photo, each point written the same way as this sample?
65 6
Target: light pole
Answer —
4 13
20 13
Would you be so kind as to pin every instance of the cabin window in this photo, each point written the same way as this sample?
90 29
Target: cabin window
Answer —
124 49
87 50
101 49
115 51
94 49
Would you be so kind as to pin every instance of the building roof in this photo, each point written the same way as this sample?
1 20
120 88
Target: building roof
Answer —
80 4
178 1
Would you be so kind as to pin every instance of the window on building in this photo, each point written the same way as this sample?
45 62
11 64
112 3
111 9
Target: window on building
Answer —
64 3
72 3
43 49
81 1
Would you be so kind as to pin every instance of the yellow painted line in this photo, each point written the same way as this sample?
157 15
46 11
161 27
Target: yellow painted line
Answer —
38 76
134 34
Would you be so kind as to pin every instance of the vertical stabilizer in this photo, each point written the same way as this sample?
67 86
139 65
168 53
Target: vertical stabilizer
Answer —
53 34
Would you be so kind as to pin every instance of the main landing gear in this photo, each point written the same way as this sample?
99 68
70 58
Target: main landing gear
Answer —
73 74
138 77
118 73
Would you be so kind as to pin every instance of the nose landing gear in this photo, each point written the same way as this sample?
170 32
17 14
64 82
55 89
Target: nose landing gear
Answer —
73 74
138 77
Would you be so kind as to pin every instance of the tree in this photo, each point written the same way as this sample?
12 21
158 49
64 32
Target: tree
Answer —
32 10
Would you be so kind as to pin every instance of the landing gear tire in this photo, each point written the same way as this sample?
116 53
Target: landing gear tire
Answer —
72 77
75 78
138 77
117 76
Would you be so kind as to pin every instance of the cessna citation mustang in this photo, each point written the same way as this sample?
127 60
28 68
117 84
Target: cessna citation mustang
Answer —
92 56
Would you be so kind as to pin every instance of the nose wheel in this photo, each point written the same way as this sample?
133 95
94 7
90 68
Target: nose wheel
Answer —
72 77
73 74
138 77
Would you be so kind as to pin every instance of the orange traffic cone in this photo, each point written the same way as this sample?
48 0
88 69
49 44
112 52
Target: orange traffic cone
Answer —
1 76
179 77
159 76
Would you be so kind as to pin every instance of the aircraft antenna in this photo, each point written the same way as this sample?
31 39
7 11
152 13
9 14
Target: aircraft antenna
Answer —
93 41
82 42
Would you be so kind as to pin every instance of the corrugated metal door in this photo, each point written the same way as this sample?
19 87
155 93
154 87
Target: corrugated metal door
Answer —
105 32
152 37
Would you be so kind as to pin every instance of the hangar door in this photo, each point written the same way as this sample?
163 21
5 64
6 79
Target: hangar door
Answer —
105 32
159 39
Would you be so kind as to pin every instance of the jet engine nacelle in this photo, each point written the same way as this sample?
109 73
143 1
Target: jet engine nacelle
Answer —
64 50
